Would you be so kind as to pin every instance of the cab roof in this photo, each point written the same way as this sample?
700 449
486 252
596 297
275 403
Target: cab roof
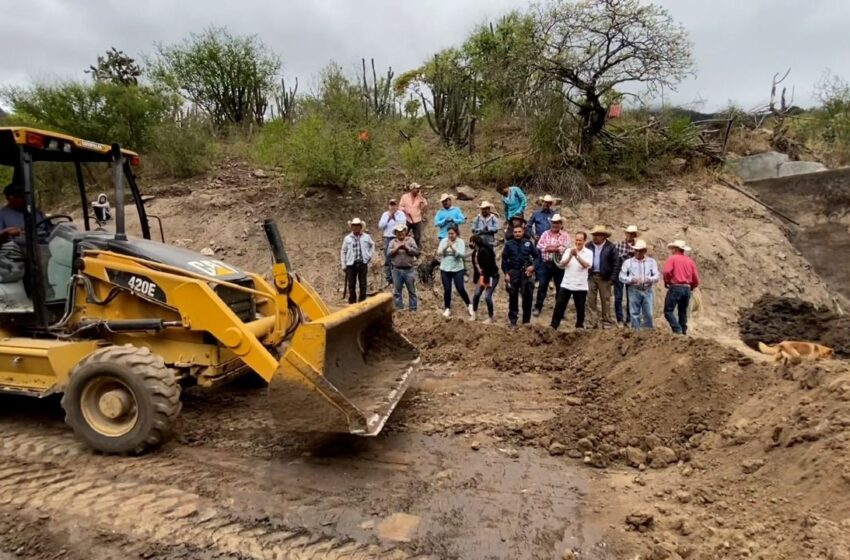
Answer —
54 146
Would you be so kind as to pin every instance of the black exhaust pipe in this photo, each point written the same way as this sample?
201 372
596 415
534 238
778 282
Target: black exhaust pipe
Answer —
118 185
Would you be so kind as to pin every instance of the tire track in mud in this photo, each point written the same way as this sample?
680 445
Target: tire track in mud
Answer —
145 498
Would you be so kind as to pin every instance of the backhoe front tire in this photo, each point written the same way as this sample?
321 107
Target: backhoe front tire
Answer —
122 399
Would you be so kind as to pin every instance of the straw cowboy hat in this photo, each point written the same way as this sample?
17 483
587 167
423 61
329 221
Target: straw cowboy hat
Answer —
445 196
485 204
678 244
547 198
400 227
631 229
414 186
600 229
640 245
556 218
356 222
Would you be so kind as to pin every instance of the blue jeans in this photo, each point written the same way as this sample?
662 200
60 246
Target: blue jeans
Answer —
457 278
640 307
678 298
388 265
405 278
488 296
546 273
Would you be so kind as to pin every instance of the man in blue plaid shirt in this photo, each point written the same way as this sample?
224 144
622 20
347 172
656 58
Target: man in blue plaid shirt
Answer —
625 249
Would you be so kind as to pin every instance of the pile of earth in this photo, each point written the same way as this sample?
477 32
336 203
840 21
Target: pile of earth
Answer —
774 319
642 398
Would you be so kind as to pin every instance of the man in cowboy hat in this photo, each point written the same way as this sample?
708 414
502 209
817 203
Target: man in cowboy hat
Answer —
604 269
624 251
681 278
403 252
447 216
513 200
541 220
640 273
358 248
486 224
413 204
387 224
551 245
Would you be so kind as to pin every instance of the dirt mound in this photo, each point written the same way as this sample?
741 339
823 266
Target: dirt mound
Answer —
640 398
774 319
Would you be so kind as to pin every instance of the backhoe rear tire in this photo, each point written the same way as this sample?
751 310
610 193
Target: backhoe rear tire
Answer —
122 399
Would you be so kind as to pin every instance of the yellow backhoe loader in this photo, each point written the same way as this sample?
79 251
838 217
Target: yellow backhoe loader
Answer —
118 324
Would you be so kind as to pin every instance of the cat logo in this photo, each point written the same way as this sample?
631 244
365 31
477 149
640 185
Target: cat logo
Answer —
213 268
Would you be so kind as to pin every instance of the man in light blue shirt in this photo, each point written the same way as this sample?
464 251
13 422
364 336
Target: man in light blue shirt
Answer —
514 201
389 220
447 216
640 274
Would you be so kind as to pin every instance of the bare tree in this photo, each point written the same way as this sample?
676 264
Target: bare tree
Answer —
779 138
597 48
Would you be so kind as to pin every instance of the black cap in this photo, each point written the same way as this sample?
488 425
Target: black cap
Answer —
13 189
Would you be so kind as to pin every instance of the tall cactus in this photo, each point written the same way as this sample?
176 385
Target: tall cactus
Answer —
285 100
378 96
452 103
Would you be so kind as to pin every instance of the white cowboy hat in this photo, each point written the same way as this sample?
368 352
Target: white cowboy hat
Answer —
631 229
556 218
393 201
548 198
600 229
485 204
414 186
678 244
687 249
445 196
640 245
400 227
356 222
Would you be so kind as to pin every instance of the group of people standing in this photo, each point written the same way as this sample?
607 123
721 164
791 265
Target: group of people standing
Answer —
587 268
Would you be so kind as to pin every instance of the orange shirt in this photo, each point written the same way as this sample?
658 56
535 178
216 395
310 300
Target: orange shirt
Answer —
414 207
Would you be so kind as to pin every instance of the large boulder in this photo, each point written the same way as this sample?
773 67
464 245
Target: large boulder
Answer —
466 192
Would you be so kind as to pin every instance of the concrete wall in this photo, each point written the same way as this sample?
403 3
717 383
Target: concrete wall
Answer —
770 165
821 203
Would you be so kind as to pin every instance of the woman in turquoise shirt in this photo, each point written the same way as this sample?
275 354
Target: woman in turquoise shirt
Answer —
452 251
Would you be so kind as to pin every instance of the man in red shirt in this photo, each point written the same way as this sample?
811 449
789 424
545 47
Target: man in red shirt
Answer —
680 278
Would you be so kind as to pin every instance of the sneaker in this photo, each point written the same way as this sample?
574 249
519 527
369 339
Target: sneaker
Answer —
471 312
537 312
447 313
488 321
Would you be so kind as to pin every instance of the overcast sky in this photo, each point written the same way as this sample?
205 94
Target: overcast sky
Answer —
738 44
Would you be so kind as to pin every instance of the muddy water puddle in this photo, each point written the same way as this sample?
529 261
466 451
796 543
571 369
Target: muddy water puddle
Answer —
459 503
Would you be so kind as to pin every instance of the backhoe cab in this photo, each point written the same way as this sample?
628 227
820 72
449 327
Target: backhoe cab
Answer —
119 323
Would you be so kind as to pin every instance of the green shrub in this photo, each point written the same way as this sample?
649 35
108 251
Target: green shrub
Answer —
415 159
270 144
182 150
99 111
320 151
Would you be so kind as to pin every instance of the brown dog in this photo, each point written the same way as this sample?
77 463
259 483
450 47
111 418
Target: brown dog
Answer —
795 352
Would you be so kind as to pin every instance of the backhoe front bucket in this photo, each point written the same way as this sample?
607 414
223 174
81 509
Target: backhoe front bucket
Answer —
343 373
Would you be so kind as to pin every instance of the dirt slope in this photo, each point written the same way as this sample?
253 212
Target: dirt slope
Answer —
513 444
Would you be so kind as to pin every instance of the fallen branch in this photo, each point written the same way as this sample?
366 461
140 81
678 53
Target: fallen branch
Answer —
492 159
